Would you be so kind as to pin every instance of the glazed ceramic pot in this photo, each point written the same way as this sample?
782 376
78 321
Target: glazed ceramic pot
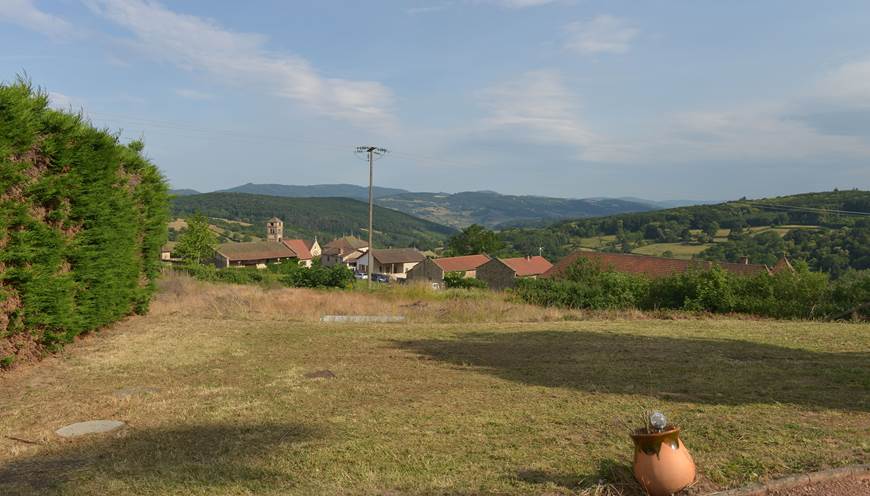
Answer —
662 464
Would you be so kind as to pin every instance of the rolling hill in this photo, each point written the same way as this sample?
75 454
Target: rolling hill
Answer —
315 191
460 210
495 210
325 218
828 230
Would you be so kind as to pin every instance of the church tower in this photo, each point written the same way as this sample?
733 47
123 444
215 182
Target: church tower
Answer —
275 230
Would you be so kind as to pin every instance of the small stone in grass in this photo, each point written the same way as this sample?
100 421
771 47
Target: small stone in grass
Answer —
320 374
89 427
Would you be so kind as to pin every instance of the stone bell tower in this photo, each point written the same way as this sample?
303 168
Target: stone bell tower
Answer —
275 230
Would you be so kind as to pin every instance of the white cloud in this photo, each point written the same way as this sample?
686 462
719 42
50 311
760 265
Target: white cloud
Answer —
540 106
198 44
25 13
193 94
603 34
59 100
848 84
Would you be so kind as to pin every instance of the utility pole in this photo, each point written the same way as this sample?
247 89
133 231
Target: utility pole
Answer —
372 153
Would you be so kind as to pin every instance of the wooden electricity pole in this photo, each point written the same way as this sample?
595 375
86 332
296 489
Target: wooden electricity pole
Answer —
372 152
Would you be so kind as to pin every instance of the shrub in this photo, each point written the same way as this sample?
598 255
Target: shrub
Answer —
786 294
82 220
459 281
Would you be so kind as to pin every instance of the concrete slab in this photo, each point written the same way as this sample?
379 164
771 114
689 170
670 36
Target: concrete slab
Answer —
362 318
89 427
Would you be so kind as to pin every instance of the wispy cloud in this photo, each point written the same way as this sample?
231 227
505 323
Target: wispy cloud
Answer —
199 44
847 84
193 94
25 13
603 34
540 106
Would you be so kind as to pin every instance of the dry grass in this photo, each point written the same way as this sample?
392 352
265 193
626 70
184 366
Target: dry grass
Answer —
183 295
425 407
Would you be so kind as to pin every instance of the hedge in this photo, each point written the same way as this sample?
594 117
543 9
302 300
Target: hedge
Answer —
82 220
798 294
287 273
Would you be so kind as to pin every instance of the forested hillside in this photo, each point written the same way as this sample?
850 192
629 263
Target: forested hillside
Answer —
82 219
830 230
460 210
326 218
492 209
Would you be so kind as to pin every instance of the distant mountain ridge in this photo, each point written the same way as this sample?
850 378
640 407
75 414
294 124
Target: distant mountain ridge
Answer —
459 210
315 190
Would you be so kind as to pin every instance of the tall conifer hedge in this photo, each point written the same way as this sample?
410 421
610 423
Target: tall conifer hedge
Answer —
82 220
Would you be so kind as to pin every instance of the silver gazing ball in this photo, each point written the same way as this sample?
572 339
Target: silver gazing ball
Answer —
658 421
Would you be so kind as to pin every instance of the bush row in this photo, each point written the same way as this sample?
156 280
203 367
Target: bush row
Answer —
288 273
82 220
798 294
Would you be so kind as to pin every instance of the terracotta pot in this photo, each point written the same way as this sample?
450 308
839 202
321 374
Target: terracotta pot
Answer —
662 464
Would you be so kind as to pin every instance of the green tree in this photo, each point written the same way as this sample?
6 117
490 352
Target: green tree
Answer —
472 240
198 242
711 229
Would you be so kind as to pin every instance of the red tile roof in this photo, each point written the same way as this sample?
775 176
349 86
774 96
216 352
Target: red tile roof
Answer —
299 248
398 255
648 265
344 245
528 266
256 250
461 264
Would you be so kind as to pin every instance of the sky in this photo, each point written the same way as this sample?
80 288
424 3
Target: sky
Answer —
680 99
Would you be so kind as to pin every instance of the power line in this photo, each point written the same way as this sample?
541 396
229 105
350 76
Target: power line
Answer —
165 126
804 209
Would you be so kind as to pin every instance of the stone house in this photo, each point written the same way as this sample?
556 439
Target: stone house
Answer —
313 247
300 249
432 270
393 262
502 273
344 250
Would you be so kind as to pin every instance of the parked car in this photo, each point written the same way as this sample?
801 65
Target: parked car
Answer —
361 275
380 278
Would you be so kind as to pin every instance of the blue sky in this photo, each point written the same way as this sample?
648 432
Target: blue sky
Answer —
662 100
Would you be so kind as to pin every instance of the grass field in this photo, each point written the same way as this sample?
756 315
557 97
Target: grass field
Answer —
452 402
679 250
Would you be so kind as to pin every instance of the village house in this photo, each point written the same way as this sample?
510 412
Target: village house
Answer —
502 273
393 262
657 266
166 251
345 250
299 247
313 247
254 254
433 270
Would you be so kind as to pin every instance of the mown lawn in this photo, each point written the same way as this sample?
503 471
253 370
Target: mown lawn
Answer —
428 408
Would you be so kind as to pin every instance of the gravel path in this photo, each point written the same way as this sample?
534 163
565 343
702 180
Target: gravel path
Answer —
839 487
